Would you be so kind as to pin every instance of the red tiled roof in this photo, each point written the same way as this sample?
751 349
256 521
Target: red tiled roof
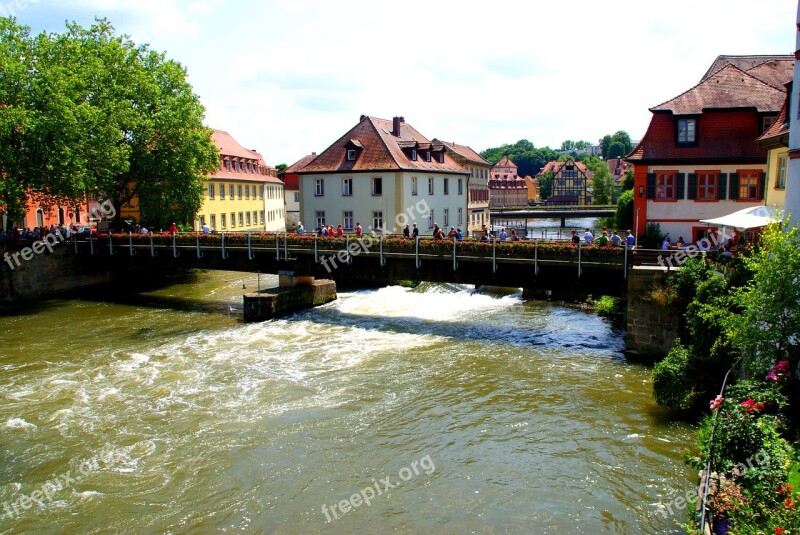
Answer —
230 147
382 151
555 166
299 164
769 69
730 87
467 153
505 162
781 126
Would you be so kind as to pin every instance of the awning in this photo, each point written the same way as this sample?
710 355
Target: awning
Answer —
753 217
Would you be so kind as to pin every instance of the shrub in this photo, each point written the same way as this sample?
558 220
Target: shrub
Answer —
672 385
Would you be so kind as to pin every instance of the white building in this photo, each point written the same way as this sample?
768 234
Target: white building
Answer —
384 174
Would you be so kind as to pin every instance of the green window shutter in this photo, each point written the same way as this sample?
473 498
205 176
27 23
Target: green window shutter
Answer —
681 186
733 187
651 185
723 186
691 193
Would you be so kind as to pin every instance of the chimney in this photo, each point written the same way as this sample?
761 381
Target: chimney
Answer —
396 122
362 118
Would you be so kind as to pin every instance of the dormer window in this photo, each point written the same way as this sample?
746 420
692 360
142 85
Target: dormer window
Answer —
440 157
687 131
353 147
427 155
414 155
351 155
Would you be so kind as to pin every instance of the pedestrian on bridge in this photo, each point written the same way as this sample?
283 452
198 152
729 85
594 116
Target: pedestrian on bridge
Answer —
588 237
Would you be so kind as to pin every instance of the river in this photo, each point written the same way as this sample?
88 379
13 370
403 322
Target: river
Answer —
430 410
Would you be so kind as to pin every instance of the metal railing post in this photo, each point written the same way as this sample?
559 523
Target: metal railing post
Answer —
536 258
199 253
91 243
455 262
130 243
110 245
494 255
277 246
286 246
580 246
224 254
316 256
625 262
250 254
416 253
175 252
380 248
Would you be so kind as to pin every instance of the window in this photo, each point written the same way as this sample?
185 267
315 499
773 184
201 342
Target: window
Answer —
347 187
319 187
239 191
296 196
377 220
247 218
447 186
247 192
230 191
767 121
460 187
351 154
213 221
430 185
446 217
228 166
414 154
781 179
233 219
440 157
687 131
261 193
319 218
241 219
222 220
413 185
211 191
262 217
707 186
748 185
347 219
430 219
236 165
377 186
460 216
202 220
427 154
253 191
665 185
222 192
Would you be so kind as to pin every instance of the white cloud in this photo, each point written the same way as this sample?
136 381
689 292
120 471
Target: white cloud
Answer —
290 76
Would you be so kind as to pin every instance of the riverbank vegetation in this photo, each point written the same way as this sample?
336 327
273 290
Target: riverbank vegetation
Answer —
743 326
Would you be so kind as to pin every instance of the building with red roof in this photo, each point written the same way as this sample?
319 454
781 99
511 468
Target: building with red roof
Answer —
699 158
506 187
570 182
383 174
244 194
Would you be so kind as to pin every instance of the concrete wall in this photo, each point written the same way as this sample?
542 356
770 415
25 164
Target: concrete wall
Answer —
651 328
48 274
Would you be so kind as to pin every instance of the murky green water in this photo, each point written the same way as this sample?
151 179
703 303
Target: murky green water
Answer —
486 414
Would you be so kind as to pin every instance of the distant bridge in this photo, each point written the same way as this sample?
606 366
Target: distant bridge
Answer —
553 212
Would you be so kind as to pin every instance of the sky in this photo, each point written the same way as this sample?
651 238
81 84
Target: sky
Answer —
289 77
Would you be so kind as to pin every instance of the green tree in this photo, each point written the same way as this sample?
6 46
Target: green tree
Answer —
616 150
91 112
546 185
624 215
529 159
768 329
627 183
568 145
602 183
610 150
281 167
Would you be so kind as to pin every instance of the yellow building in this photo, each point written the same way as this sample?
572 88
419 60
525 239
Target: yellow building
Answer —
776 141
244 194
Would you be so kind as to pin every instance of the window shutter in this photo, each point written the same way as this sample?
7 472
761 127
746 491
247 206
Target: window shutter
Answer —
723 186
681 186
733 187
651 185
692 192
762 182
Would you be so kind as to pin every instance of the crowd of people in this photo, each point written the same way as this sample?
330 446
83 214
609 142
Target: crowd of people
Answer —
605 239
37 233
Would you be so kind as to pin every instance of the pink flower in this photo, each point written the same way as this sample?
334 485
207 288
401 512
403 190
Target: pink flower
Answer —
715 403
781 369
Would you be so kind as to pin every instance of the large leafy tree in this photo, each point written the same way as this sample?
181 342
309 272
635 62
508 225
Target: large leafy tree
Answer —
602 184
87 111
616 145
528 158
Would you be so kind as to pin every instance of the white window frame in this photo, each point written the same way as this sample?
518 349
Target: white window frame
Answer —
347 187
430 186
319 187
